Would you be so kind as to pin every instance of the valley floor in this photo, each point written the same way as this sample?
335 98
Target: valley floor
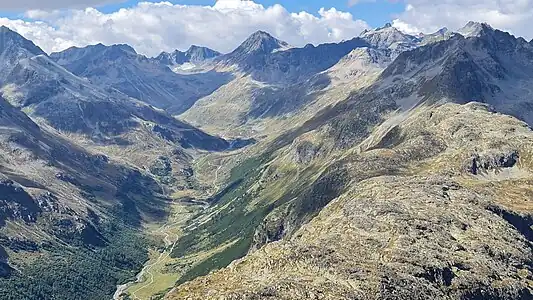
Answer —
156 278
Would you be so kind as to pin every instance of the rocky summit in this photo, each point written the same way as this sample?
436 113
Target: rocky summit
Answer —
386 166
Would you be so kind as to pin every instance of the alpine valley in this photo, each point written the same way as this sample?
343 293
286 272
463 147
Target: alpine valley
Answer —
388 166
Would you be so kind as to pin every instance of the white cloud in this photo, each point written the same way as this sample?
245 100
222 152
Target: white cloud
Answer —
355 2
153 27
22 5
428 16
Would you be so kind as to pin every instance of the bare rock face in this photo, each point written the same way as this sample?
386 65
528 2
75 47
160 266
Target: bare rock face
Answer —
305 152
494 161
412 222
5 269
16 204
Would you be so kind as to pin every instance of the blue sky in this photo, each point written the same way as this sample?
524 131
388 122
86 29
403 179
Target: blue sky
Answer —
376 13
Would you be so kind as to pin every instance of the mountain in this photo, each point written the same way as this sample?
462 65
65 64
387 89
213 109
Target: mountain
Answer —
401 212
82 169
439 35
194 55
64 210
360 65
389 165
259 42
388 37
108 121
474 29
389 191
288 87
121 68
270 60
14 47
71 104
491 66
290 84
256 109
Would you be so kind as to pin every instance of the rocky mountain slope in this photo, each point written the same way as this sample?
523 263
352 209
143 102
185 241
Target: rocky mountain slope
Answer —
270 60
14 47
64 212
278 89
390 38
103 119
148 80
490 66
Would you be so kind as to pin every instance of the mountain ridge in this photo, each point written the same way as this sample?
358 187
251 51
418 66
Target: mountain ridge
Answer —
137 76
194 55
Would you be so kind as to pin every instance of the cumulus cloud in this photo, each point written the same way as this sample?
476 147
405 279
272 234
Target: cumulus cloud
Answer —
428 16
153 27
23 5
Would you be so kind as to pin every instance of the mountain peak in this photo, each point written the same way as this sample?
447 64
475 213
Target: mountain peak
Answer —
195 48
443 30
387 29
123 47
195 54
261 41
388 36
12 43
387 25
472 29
261 34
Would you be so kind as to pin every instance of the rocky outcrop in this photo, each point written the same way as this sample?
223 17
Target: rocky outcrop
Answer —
493 161
16 204
305 152
5 269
